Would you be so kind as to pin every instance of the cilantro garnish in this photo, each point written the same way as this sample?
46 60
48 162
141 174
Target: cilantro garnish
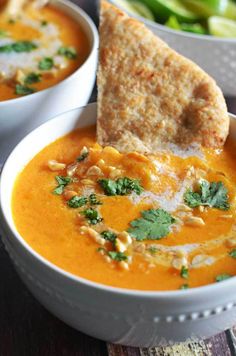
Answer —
92 216
153 225
23 90
117 256
46 63
93 200
62 182
184 286
184 272
77 202
68 52
32 78
44 23
82 156
222 277
152 249
233 253
214 195
109 236
20 46
121 186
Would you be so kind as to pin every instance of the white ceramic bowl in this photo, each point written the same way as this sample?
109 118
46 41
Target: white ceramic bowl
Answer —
217 56
19 116
121 316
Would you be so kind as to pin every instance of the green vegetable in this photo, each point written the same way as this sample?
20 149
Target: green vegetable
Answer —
32 78
206 8
222 27
214 195
184 286
93 200
233 253
122 186
23 90
194 28
92 216
163 9
62 183
46 63
184 272
77 202
136 8
117 256
153 250
20 46
68 52
109 236
222 277
230 11
44 23
153 225
82 156
173 23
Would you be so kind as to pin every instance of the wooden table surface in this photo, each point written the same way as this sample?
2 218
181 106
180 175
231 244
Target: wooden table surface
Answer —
27 329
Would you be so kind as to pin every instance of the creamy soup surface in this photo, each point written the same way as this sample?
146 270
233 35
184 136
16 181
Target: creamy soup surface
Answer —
38 50
156 222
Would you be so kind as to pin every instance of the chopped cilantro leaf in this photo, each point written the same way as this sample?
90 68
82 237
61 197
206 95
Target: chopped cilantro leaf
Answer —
20 46
222 277
184 272
93 200
152 249
233 253
77 202
68 52
109 236
82 156
117 256
23 90
92 216
184 286
153 225
121 186
62 182
44 23
46 63
32 78
214 195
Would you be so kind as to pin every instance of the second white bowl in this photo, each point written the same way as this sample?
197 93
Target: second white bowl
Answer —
19 116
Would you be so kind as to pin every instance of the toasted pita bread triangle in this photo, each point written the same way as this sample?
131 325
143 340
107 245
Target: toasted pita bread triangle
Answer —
149 95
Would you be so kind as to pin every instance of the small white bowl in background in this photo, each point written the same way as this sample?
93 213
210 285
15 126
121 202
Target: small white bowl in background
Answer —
128 317
19 116
217 56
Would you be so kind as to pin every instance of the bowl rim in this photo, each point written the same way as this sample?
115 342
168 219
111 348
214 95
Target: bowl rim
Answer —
94 48
171 31
177 294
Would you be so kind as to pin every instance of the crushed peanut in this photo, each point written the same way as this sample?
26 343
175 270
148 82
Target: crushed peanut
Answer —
194 221
56 166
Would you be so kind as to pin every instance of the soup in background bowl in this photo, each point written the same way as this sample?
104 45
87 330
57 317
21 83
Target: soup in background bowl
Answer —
107 290
48 62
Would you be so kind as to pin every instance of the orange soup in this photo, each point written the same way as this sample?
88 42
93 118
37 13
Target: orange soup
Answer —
155 222
38 50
